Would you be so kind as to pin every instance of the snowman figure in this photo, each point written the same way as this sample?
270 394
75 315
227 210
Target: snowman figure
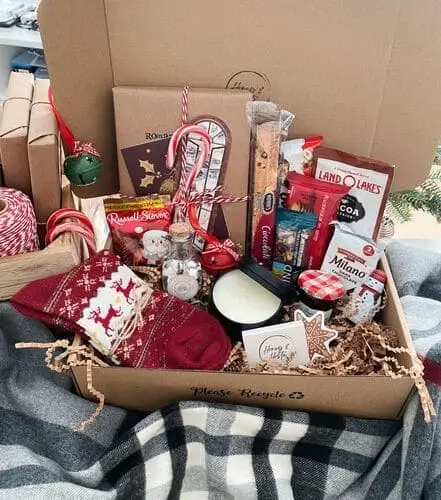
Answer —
155 246
367 297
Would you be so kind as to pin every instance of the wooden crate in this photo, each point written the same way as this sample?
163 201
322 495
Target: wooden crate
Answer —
59 257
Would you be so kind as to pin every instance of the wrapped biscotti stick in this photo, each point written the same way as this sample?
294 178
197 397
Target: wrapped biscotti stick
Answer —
269 126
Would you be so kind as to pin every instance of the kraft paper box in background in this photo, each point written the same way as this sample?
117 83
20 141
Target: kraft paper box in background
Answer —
44 154
14 132
146 114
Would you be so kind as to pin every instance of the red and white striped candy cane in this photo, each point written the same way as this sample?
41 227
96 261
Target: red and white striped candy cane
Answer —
71 213
187 180
72 227
57 224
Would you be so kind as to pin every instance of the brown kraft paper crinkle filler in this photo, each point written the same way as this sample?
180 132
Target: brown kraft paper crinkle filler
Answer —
369 182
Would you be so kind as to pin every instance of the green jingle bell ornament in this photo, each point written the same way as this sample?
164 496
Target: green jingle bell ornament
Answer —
83 167
83 164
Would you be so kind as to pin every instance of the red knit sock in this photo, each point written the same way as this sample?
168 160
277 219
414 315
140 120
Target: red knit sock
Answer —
97 300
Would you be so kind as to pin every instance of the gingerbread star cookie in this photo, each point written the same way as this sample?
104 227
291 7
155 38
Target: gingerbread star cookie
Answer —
318 335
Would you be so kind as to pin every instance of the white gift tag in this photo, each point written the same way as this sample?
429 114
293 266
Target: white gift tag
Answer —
285 343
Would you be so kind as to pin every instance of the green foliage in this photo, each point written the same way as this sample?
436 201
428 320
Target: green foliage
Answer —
426 197
437 159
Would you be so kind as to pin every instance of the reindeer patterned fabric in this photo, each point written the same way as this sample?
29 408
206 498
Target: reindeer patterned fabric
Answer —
99 298
95 299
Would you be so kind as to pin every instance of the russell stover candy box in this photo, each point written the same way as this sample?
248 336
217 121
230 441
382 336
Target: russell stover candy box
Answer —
293 234
369 182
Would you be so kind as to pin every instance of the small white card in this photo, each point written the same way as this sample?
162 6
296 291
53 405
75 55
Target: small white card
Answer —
285 343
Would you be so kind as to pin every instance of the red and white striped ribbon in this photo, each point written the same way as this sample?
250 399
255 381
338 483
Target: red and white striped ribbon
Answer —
18 224
211 197
227 246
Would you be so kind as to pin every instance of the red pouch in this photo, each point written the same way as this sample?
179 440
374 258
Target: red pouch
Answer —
307 194
139 228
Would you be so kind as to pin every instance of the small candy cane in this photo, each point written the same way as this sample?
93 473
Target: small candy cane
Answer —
68 213
187 180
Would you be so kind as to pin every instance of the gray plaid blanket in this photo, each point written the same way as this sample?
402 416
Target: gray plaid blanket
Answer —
201 451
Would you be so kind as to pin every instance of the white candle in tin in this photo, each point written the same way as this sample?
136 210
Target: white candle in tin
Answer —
241 299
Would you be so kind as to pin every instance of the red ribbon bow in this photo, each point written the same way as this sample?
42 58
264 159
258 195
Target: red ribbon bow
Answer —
84 147
215 247
227 246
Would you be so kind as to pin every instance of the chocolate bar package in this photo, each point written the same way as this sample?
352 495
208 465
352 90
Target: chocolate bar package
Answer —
293 234
369 182
139 228
147 169
146 117
306 194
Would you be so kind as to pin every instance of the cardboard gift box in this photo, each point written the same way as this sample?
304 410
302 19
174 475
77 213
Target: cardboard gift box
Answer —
365 75
358 396
14 132
44 154
145 115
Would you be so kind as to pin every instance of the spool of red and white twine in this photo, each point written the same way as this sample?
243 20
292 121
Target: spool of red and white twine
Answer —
18 224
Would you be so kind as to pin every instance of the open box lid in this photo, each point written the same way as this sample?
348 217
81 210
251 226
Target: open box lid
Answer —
366 75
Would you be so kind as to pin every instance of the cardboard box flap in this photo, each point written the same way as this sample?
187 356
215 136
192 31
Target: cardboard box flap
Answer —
88 94
43 123
365 75
16 106
411 94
